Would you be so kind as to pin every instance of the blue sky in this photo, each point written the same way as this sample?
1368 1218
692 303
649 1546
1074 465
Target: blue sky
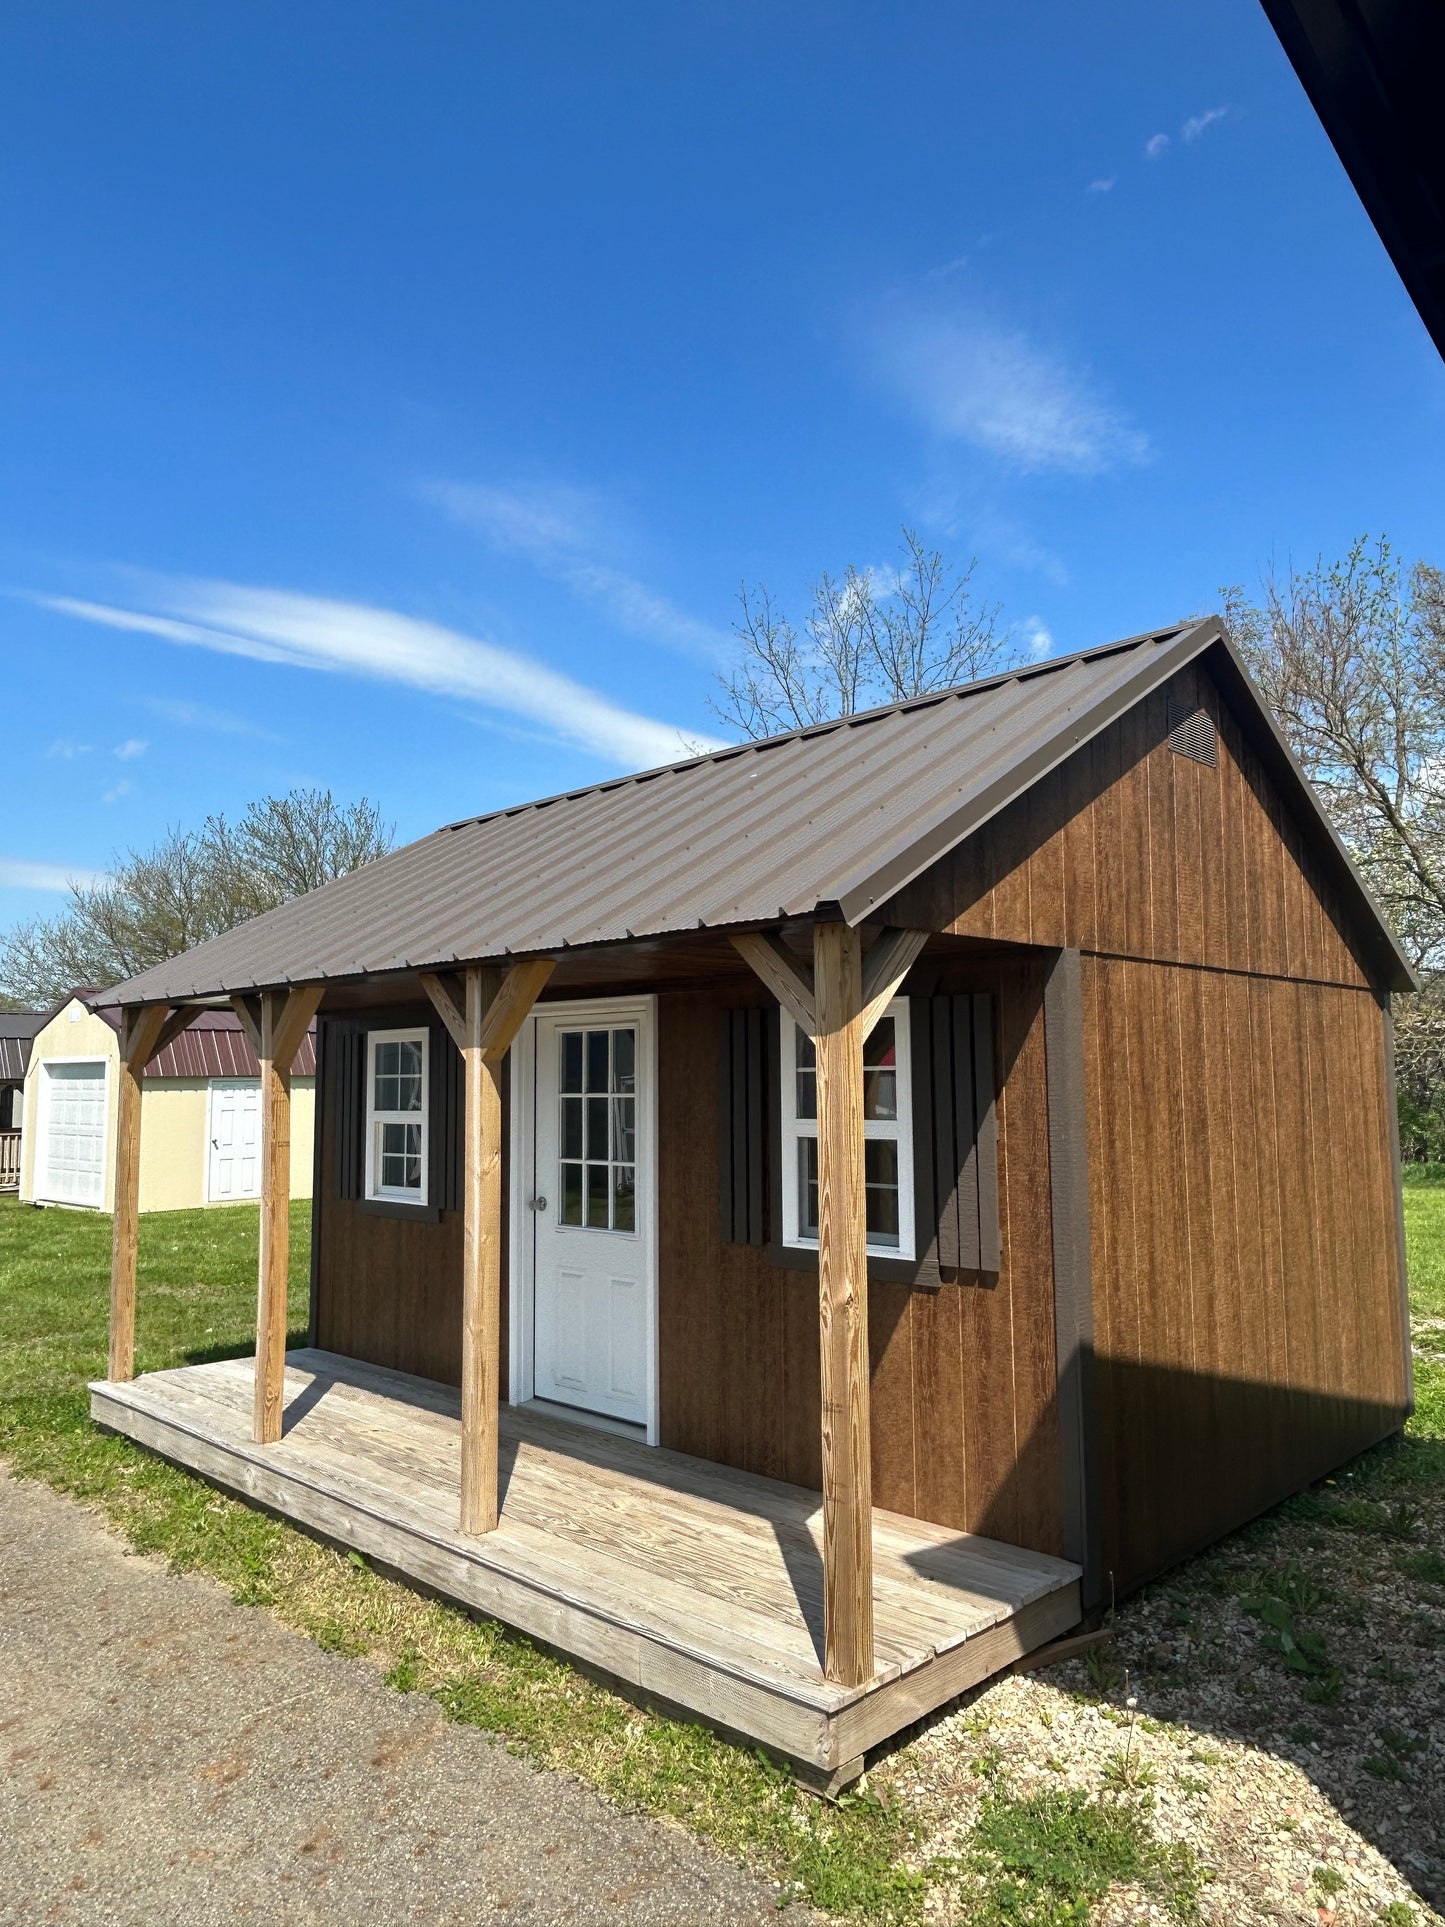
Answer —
393 399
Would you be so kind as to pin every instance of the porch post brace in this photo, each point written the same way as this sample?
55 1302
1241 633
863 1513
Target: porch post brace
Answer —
837 1003
140 1035
282 1022
493 1010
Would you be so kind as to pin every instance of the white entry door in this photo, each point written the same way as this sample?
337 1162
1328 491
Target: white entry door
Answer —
73 1134
233 1167
591 1212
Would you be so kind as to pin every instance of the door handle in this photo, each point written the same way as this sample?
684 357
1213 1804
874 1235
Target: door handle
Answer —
539 1204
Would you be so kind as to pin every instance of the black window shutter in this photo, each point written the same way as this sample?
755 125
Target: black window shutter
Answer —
956 1129
444 1120
742 1126
345 1059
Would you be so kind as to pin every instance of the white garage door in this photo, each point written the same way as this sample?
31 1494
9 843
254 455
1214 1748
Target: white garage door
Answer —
73 1161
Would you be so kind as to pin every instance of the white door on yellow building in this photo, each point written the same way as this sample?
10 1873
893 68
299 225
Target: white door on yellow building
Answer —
234 1164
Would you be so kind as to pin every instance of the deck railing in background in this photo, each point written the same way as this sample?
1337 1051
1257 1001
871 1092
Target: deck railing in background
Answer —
9 1160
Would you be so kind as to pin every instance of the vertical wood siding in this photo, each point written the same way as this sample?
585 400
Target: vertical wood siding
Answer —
963 1378
1246 1301
1134 850
388 1289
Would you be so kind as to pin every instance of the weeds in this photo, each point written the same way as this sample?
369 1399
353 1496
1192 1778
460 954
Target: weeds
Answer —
1046 1859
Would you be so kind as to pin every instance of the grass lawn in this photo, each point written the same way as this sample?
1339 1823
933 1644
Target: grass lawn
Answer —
196 1300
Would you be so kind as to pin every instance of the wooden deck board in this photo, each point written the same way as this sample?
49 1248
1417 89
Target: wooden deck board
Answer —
699 1584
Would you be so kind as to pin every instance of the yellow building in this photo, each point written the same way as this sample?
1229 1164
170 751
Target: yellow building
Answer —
200 1114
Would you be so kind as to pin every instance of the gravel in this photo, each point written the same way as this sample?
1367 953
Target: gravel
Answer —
167 1756
1267 1774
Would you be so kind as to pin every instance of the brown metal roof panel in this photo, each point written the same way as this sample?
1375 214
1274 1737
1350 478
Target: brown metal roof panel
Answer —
844 811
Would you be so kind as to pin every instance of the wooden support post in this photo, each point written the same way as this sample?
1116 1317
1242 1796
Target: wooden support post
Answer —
493 1010
139 1034
843 1307
284 1018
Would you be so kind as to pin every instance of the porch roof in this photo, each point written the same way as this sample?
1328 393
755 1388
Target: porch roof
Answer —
834 818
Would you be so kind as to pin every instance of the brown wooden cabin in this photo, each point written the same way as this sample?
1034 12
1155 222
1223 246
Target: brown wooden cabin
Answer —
978 1113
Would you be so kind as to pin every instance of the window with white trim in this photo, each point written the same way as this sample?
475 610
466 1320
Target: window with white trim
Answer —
887 1135
396 1116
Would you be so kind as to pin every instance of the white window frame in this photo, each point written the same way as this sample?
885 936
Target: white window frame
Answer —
899 1131
376 1192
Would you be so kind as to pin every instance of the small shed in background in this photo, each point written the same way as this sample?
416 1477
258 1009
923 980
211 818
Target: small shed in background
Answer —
201 1098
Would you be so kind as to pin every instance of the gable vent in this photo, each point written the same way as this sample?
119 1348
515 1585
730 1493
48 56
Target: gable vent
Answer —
1191 733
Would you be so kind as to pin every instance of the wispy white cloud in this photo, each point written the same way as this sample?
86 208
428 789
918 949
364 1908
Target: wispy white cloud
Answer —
567 533
118 790
1197 123
1103 186
218 722
971 378
67 750
19 873
1155 146
132 747
1037 639
352 638
946 269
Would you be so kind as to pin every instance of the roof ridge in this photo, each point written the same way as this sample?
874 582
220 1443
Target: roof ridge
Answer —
1021 672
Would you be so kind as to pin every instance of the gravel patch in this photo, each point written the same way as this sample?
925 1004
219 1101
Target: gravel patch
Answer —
1269 1771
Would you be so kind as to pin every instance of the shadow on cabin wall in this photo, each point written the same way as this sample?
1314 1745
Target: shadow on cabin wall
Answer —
1184 1458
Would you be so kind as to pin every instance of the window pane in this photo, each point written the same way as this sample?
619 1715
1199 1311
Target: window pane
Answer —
571 1194
624 1060
570 1068
880 1176
806 1064
400 1157
597 1041
409 1066
624 1130
596 1127
597 1187
808 1187
571 1127
880 1071
624 1198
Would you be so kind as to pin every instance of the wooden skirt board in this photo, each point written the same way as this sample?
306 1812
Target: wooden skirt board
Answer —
689 1582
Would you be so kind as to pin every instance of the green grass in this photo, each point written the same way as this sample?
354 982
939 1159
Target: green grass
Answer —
1036 1861
1046 1859
196 1299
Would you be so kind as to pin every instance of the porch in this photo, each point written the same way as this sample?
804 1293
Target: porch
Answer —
697 1587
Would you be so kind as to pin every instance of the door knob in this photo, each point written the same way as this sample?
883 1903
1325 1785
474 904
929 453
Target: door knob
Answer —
539 1204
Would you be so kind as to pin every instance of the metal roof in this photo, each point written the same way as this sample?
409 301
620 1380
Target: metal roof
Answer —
838 816
17 1034
215 1045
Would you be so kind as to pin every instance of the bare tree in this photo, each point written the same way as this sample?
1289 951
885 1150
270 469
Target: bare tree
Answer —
1351 658
192 885
870 638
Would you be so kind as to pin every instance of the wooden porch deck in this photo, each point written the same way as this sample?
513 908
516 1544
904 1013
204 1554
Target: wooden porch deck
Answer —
696 1586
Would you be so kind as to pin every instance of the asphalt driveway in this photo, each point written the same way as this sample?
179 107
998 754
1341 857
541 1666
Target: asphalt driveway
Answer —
168 1756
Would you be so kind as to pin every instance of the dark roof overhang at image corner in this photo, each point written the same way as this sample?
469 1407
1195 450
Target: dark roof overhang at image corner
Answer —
837 817
1372 70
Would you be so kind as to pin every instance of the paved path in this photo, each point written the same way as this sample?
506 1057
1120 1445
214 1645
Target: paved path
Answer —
167 1756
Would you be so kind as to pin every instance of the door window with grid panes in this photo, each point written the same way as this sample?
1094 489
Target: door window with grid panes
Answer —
396 1116
597 1128
887 1135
